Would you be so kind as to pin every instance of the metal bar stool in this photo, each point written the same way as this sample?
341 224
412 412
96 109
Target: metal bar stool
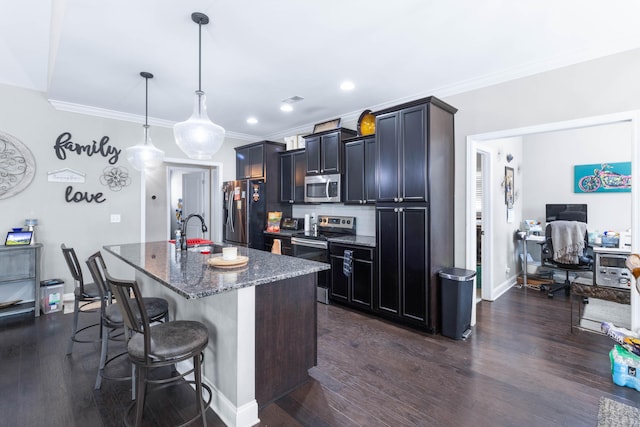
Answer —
163 344
112 320
84 294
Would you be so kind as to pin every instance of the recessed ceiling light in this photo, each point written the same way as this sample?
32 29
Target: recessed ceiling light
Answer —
252 120
347 85
286 107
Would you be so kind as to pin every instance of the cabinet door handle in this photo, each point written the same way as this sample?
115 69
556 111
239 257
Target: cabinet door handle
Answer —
400 199
395 199
401 210
395 209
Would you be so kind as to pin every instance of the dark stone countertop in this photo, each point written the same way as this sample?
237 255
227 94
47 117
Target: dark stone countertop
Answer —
347 239
188 274
355 240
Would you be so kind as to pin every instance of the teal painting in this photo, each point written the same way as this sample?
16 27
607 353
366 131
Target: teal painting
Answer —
602 178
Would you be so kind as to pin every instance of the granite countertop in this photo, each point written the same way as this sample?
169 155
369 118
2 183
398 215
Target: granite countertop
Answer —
285 233
348 239
188 274
355 240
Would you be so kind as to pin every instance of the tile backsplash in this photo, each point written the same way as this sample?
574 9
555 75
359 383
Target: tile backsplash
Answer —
365 215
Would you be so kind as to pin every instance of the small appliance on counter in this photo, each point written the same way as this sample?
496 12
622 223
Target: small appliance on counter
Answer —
294 224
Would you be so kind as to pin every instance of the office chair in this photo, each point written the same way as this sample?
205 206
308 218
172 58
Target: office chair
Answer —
582 261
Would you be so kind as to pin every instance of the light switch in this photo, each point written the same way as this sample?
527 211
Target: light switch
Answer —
115 217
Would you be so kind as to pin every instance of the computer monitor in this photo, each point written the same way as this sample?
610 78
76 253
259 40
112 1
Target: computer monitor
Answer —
566 212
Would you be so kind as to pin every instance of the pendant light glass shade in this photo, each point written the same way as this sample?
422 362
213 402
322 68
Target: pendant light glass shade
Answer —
145 155
198 137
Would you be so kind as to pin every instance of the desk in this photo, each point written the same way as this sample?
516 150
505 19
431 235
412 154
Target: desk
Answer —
527 238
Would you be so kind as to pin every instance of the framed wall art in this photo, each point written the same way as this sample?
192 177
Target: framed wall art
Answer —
602 178
509 189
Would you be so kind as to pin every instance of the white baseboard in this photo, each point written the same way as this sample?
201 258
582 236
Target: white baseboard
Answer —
232 415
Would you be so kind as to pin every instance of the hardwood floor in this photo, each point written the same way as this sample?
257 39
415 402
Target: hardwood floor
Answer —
520 367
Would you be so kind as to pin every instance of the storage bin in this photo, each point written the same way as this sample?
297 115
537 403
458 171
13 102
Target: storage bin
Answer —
51 298
625 367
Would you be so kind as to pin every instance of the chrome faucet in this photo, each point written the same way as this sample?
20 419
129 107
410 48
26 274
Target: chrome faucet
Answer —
184 229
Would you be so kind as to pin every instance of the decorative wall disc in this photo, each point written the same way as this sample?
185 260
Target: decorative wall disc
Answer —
17 166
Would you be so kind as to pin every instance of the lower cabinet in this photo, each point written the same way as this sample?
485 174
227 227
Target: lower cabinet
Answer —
404 278
285 243
356 289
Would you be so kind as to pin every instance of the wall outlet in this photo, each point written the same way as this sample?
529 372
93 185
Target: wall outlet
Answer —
115 217
507 270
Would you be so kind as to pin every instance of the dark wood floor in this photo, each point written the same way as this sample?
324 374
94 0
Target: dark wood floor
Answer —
520 367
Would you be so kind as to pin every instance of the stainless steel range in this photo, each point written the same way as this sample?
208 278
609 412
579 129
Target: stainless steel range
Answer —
314 245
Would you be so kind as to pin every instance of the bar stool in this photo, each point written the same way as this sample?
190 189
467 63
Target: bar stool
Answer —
84 294
160 345
111 319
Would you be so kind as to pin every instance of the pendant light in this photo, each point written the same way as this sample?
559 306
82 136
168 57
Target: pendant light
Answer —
145 155
198 136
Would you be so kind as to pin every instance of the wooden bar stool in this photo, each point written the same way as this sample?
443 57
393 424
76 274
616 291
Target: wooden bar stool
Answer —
163 344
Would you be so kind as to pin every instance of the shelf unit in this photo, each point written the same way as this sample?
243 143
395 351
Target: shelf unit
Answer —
20 278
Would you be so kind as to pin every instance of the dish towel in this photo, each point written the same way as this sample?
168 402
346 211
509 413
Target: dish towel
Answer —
568 240
347 263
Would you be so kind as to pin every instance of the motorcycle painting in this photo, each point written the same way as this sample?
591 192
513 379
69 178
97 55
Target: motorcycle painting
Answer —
601 178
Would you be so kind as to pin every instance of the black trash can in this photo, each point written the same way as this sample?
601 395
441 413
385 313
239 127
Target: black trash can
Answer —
457 297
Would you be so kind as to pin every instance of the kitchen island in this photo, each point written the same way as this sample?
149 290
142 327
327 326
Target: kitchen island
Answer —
261 318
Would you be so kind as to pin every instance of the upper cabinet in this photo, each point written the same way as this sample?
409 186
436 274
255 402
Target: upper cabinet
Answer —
254 160
402 155
360 170
292 171
324 151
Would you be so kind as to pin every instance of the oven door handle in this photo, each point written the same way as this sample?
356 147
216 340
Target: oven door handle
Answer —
319 244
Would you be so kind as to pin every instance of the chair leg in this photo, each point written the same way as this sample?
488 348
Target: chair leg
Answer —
76 308
197 372
104 334
141 379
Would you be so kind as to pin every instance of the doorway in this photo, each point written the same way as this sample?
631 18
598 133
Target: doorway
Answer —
481 218
476 143
160 207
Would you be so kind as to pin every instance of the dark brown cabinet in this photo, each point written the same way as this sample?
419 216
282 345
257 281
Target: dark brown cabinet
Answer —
414 209
404 275
285 244
292 171
258 159
324 151
360 170
356 289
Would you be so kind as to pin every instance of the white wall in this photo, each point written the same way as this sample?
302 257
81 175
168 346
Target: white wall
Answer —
28 116
548 173
602 86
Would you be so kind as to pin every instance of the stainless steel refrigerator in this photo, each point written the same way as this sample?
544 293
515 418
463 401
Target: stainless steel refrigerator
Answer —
245 213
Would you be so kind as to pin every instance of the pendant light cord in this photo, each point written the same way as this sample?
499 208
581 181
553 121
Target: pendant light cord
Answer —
146 101
200 56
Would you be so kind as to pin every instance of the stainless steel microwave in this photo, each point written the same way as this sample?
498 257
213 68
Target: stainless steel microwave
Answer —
322 188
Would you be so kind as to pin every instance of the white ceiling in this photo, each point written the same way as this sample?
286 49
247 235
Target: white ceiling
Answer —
86 55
